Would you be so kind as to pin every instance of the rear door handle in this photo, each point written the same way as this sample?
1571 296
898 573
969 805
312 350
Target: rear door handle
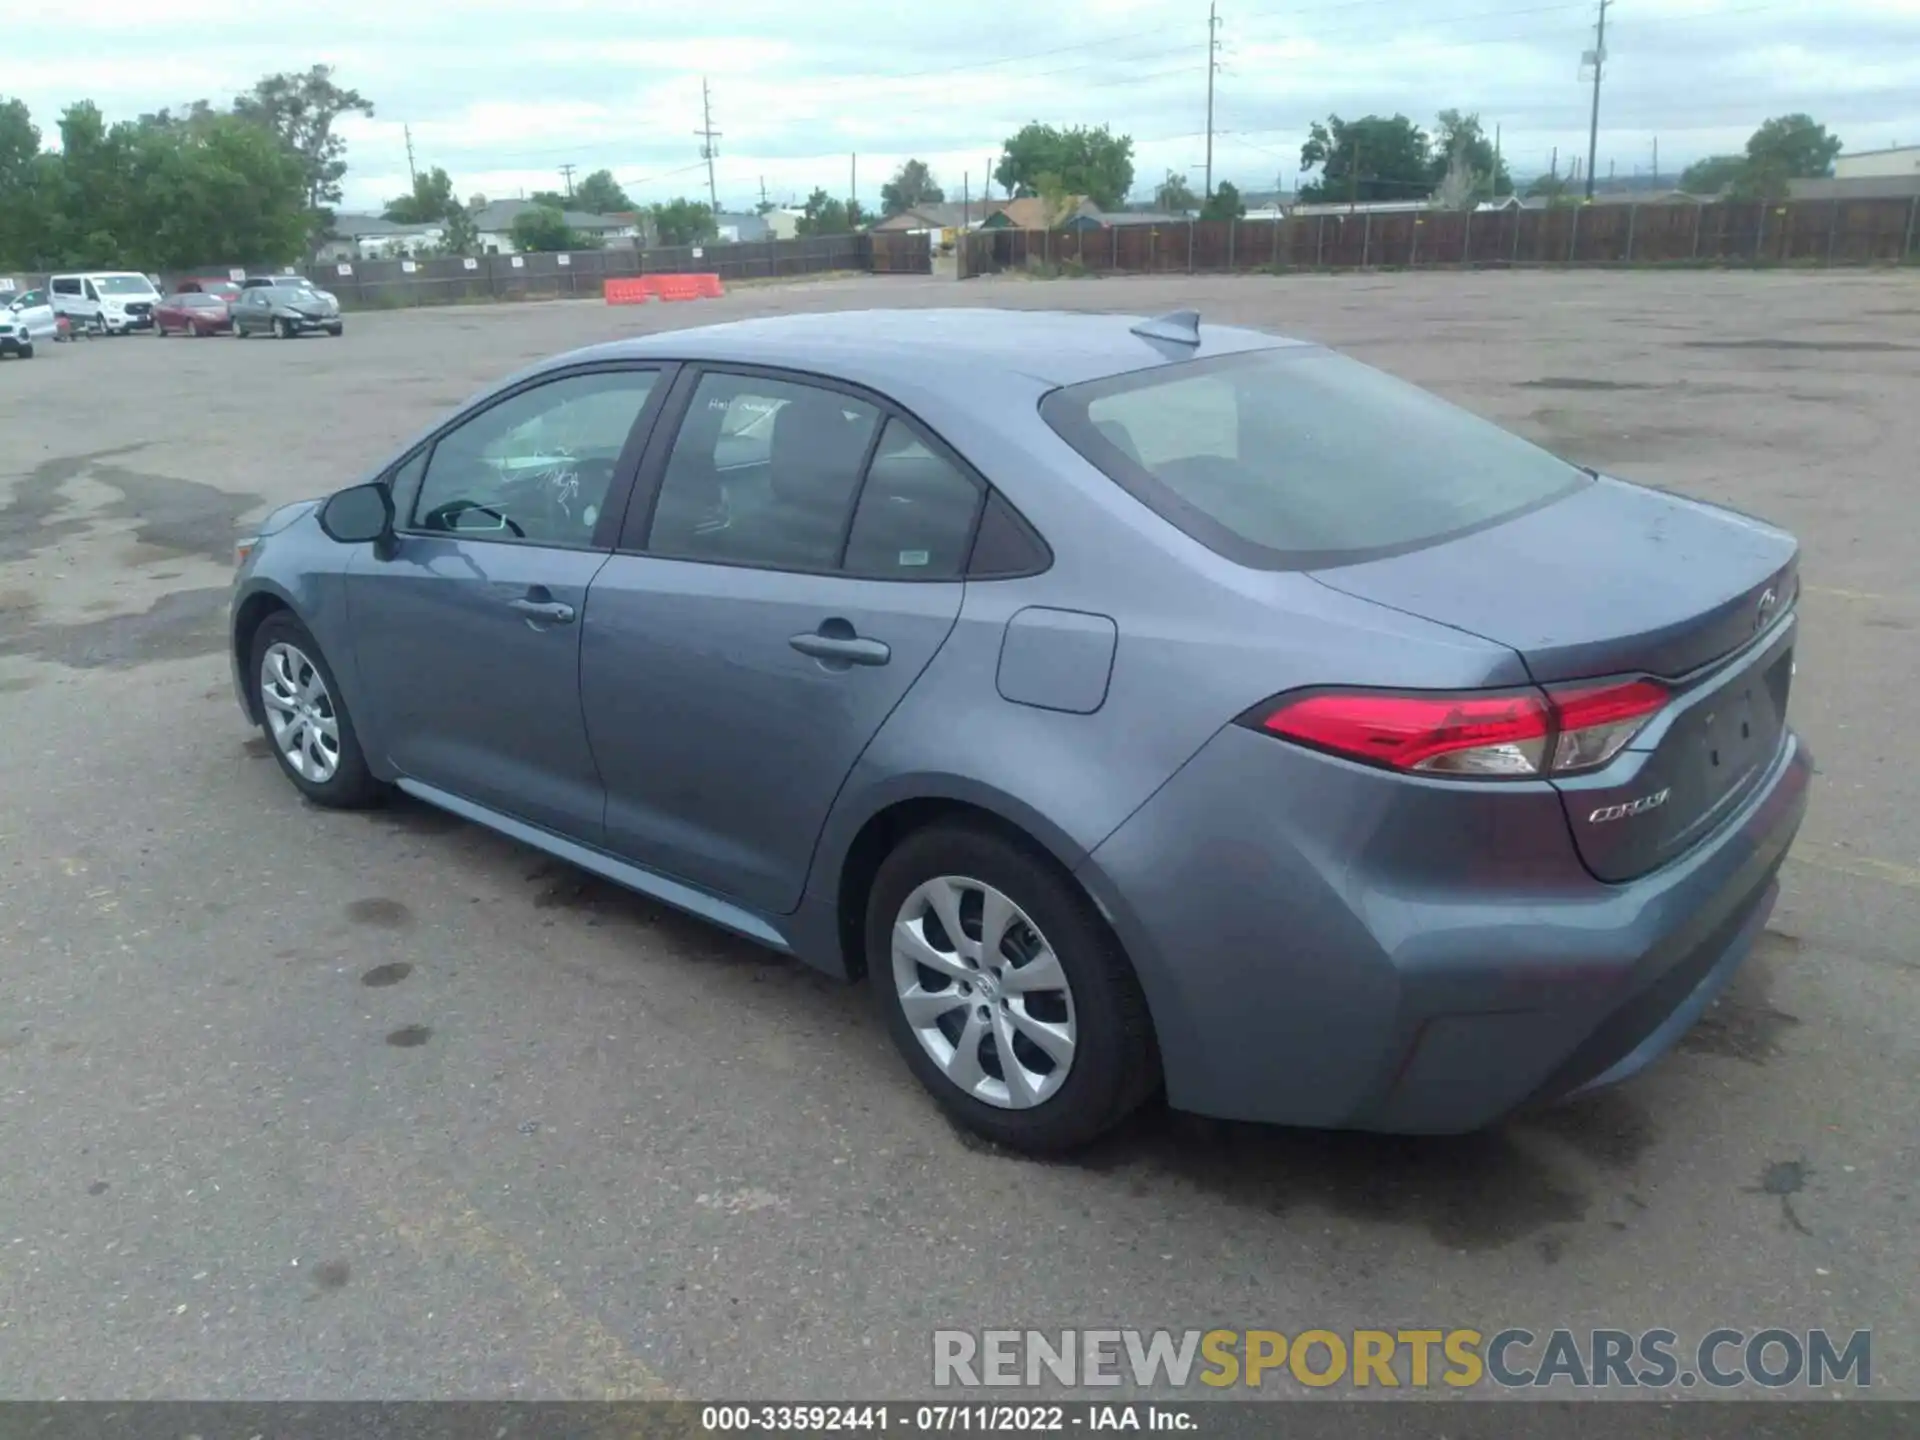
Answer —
844 649
552 612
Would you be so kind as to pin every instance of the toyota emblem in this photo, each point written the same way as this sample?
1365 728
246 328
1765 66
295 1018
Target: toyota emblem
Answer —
1768 600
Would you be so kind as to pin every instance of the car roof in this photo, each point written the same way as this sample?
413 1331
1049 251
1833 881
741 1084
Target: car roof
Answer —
870 347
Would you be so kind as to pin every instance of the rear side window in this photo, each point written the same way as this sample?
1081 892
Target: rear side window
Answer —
916 512
67 286
1298 458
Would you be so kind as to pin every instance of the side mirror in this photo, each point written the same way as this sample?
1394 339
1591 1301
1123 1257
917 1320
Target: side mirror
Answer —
358 515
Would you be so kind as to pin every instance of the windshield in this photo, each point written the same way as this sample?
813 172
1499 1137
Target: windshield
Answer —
123 285
1297 457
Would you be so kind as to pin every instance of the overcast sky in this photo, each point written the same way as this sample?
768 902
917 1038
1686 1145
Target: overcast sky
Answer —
503 92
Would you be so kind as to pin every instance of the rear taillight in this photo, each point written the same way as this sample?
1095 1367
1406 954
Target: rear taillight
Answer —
1510 734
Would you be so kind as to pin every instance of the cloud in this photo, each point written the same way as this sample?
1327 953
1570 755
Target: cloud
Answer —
503 92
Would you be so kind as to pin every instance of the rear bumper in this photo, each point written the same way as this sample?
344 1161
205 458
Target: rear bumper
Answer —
1355 953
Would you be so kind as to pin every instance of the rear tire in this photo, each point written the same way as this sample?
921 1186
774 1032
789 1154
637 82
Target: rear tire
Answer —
305 719
1098 1063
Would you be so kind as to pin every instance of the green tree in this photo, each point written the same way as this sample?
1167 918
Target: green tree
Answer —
542 228
301 108
552 199
1372 158
23 182
823 215
460 236
1785 148
1092 162
1175 196
1226 203
1461 146
684 222
432 199
215 187
912 184
600 194
1713 174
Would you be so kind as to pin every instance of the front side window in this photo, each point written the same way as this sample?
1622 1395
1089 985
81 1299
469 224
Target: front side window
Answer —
535 468
1298 457
763 472
125 285
66 286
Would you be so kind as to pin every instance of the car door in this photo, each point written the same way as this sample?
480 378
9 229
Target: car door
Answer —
734 664
467 630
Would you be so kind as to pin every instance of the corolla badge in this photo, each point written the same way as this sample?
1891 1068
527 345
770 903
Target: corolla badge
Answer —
1769 602
1631 807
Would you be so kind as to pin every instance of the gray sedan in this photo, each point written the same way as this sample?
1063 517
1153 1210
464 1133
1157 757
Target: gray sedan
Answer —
285 310
1138 706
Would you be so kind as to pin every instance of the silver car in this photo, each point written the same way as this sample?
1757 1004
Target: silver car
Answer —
285 310
1133 703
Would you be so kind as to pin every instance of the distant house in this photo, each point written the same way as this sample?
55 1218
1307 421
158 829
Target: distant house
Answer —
374 237
1856 187
1364 207
1897 160
739 229
942 215
494 224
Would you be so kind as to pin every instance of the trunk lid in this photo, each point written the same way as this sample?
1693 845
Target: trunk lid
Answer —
1617 581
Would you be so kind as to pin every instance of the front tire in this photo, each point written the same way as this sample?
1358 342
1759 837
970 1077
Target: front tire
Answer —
286 329
336 331
305 719
1033 977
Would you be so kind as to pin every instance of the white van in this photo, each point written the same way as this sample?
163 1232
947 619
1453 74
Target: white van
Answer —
113 302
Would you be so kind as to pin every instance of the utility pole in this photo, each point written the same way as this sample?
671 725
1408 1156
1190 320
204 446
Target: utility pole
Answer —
1656 160
1494 183
566 173
708 149
1599 66
413 176
853 188
1353 177
966 199
763 190
1213 65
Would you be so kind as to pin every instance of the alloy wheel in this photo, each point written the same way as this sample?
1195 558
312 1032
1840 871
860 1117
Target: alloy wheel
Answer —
300 713
983 992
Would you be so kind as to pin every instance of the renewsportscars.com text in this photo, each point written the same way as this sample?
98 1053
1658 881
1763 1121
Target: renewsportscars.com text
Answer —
1721 1359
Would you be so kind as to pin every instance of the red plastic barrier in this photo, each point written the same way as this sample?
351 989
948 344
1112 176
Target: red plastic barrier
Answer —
710 286
624 290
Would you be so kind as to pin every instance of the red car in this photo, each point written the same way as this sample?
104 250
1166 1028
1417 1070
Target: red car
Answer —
192 313
227 290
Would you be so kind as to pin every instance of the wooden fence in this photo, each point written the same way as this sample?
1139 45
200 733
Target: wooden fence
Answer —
445 280
1808 232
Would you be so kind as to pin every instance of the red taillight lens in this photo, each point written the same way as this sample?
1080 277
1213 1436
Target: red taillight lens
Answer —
1489 735
1443 734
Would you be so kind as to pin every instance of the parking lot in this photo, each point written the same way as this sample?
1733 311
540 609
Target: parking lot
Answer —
304 1104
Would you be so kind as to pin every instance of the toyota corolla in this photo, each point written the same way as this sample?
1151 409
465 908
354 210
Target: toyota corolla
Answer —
1138 706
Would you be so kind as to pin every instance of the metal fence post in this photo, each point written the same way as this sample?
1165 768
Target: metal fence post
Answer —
1413 243
1633 218
1466 241
1319 238
1366 240
1913 213
1699 221
1833 225
1233 232
1273 261
1519 218
1573 236
1189 247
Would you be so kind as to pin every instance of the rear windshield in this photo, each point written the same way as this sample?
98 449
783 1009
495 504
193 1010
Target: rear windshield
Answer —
1300 458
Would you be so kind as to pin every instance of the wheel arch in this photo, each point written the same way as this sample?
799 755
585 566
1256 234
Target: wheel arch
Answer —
249 614
862 838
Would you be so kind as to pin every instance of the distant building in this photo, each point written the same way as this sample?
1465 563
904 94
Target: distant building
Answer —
1878 164
1856 187
941 215
740 229
374 237
494 224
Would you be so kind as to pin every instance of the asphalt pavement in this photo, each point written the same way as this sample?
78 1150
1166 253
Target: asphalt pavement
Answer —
307 1105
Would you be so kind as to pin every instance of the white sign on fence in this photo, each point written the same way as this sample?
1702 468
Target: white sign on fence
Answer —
471 263
564 259
6 282
519 263
236 274
407 267
698 252
345 268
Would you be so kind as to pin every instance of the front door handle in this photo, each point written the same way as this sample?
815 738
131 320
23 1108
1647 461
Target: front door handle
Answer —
842 649
551 612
